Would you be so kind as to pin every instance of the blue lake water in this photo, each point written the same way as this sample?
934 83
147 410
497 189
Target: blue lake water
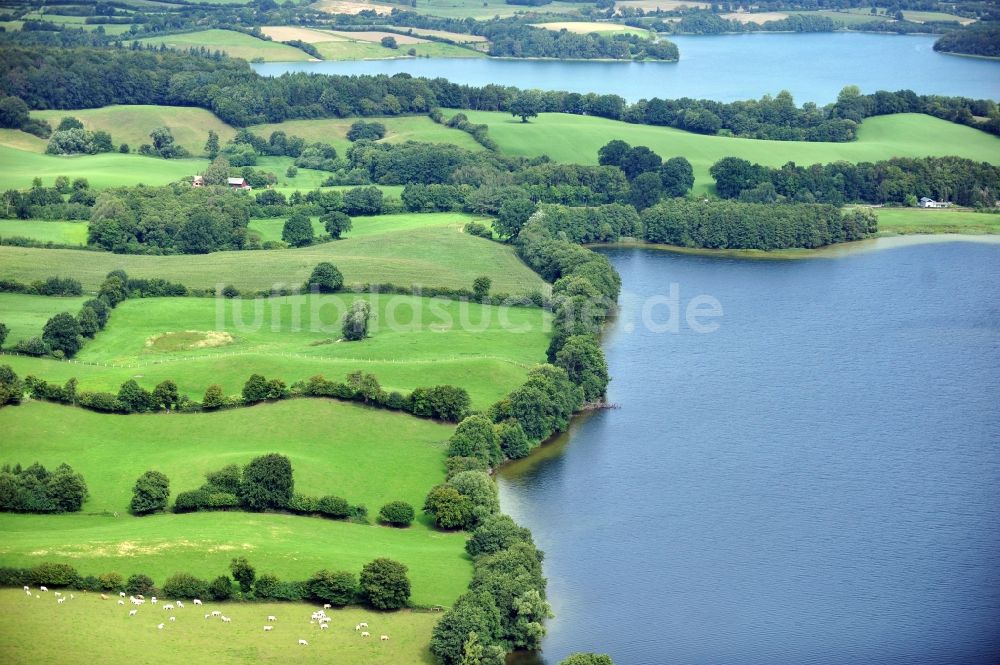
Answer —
818 481
813 67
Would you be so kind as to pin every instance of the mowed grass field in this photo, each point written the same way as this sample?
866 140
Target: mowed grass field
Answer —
432 256
60 233
945 220
95 631
132 124
368 456
25 315
576 139
233 44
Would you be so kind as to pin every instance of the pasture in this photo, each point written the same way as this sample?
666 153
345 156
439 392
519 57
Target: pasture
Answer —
25 315
398 130
270 229
944 220
576 139
432 256
91 630
59 233
586 27
367 456
477 9
233 44
132 124
110 169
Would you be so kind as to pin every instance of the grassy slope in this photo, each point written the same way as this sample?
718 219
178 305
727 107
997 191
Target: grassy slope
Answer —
334 448
398 130
132 124
270 229
364 50
25 315
570 138
234 44
18 167
60 233
96 631
434 256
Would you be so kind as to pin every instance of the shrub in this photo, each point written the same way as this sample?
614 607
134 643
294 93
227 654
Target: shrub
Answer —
384 584
214 397
449 508
443 402
243 573
325 278
133 398
187 502
355 325
371 131
111 582
396 513
334 506
481 288
104 402
14 577
220 500
338 587
31 346
183 585
301 503
267 483
139 585
150 494
54 574
89 583
477 229
266 586
221 588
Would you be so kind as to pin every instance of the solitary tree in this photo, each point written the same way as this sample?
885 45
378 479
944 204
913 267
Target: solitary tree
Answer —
212 144
243 573
481 288
166 396
396 513
389 42
325 278
336 223
62 333
356 321
298 230
384 584
150 493
526 105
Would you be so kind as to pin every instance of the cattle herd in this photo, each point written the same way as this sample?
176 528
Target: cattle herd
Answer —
318 617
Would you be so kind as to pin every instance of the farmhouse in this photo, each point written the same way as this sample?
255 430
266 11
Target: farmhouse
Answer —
931 203
238 183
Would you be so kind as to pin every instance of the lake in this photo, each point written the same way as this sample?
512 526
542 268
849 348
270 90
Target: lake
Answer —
813 67
817 481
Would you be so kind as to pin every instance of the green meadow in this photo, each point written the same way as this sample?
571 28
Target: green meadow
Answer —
25 315
573 138
432 256
368 456
362 226
92 630
60 233
233 44
940 220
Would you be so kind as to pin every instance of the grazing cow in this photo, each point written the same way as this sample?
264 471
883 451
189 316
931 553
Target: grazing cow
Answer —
173 618
272 618
121 594
385 638
303 643
56 594
226 620
132 613
325 619
71 596
103 597
121 602
216 613
327 606
268 629
27 588
161 626
363 624
197 602
168 606
365 633
43 588
28 593
357 627
208 616
180 604
61 600
324 626
153 600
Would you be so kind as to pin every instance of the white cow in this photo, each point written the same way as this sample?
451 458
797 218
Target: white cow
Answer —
271 617
60 600
208 616
173 618
132 613
104 597
197 602
43 588
365 633
385 638
268 628
324 626
303 643
121 602
180 604
363 624
168 606
161 626
28 593
226 619
357 627
56 594
326 606
27 588
216 613
121 594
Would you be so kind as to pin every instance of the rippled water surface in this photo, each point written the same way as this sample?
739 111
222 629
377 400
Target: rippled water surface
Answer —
818 481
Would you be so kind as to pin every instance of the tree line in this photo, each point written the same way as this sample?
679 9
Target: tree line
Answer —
89 77
900 180
35 489
977 39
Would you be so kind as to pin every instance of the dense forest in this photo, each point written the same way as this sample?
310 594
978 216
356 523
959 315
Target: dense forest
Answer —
87 77
979 39
899 180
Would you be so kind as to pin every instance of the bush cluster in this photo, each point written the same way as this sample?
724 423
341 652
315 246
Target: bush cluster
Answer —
35 489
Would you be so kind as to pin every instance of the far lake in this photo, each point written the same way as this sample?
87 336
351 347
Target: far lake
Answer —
818 481
813 67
